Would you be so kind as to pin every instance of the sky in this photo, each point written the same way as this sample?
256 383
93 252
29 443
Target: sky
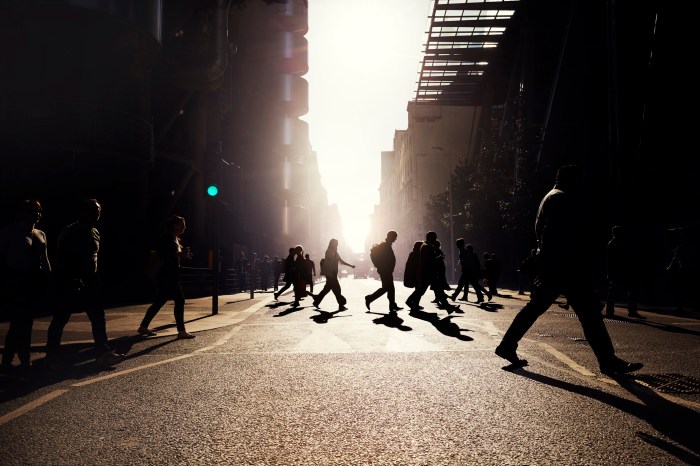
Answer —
364 58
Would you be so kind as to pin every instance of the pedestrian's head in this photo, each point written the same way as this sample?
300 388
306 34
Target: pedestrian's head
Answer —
29 211
333 244
299 249
469 247
569 178
391 236
417 245
291 250
460 242
175 225
487 255
430 237
306 256
90 211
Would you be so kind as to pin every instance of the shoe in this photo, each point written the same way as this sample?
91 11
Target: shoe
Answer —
510 356
453 297
479 301
342 308
317 303
295 304
146 332
619 367
394 307
367 301
183 335
110 358
490 296
276 296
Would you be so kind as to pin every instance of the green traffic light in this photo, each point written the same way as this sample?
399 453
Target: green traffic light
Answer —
212 190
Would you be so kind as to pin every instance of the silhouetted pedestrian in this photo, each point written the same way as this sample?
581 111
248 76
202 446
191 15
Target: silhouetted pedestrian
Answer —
428 273
330 269
683 269
289 273
171 253
79 284
564 266
311 268
303 276
385 268
265 272
622 272
24 282
277 269
440 284
471 269
411 273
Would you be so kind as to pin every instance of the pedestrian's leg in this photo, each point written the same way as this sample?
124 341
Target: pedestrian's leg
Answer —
179 309
586 305
8 352
390 292
542 297
158 303
58 322
460 285
96 314
610 301
24 339
477 289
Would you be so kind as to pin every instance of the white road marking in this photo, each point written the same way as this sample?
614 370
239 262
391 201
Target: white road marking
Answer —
566 360
31 405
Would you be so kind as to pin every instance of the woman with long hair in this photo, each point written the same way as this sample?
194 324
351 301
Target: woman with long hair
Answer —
330 269
302 276
170 252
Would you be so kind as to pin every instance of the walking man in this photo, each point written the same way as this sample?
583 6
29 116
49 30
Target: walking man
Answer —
79 284
386 261
564 266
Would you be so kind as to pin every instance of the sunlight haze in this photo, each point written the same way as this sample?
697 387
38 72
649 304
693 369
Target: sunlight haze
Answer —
364 58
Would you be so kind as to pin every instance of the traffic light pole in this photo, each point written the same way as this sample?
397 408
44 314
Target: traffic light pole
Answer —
215 262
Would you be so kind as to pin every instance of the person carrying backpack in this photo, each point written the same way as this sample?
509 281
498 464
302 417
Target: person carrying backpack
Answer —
384 260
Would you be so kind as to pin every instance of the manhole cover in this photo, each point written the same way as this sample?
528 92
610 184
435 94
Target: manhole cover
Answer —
670 383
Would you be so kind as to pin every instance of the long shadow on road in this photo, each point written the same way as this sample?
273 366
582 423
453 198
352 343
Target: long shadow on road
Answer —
444 325
671 419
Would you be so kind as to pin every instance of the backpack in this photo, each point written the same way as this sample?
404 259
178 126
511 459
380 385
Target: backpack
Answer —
322 265
378 256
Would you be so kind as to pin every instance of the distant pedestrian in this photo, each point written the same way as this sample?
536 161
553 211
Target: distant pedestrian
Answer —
440 285
428 274
277 269
311 268
623 270
683 270
330 269
24 281
302 276
78 283
265 272
386 262
471 271
171 253
289 272
411 273
564 266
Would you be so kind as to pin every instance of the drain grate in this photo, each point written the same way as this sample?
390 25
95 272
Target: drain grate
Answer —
543 335
577 338
670 383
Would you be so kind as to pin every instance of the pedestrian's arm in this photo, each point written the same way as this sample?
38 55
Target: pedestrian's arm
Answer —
340 259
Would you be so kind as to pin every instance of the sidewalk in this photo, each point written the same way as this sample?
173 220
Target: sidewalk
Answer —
123 321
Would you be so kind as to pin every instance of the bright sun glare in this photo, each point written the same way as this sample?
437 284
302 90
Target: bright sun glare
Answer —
363 62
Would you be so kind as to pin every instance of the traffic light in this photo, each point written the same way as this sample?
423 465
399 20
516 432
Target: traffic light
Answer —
212 190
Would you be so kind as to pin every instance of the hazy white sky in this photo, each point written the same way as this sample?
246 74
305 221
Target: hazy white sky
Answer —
364 57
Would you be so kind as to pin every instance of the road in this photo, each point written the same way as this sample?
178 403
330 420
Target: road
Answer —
327 387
